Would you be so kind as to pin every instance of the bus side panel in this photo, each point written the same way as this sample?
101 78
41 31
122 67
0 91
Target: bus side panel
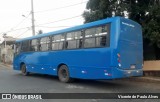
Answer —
115 30
16 64
40 63
83 63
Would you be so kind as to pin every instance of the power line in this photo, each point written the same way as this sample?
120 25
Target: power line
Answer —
13 28
56 21
22 20
16 29
55 26
22 33
44 24
40 26
60 7
60 20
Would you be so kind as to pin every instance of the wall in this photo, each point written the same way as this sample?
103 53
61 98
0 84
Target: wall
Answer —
7 54
151 65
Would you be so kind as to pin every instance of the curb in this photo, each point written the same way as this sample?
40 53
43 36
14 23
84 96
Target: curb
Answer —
144 79
138 79
7 65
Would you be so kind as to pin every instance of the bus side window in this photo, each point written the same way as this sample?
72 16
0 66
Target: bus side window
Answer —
106 30
58 42
66 44
80 43
25 46
17 48
103 41
79 37
30 47
97 37
70 37
100 37
44 44
74 40
34 45
50 43
89 40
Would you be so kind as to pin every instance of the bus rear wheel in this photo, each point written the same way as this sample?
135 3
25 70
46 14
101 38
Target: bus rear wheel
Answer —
63 74
23 70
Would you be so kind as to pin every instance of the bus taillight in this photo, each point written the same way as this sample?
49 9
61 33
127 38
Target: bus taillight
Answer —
118 55
118 59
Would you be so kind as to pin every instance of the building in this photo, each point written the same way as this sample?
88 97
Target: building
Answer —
7 50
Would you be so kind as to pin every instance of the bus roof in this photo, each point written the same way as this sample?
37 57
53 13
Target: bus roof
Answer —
87 25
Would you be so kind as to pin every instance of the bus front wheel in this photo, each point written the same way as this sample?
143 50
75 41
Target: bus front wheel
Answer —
63 74
23 70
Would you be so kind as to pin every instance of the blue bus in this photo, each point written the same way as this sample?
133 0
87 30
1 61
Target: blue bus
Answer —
105 49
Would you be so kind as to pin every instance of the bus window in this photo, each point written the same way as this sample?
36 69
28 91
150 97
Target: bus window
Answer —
73 40
79 36
34 45
58 42
71 44
80 43
25 46
89 42
90 37
101 37
106 30
90 32
101 41
97 37
44 44
17 48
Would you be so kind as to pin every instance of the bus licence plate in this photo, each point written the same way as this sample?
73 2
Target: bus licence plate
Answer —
132 66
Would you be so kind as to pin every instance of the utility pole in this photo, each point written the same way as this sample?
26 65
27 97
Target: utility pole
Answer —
32 12
5 54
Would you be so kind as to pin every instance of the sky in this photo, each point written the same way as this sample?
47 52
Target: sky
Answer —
50 15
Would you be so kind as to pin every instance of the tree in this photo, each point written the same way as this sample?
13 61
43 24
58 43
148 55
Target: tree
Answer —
145 12
4 35
152 25
40 32
99 9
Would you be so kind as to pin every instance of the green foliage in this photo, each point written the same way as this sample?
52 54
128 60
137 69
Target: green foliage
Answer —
145 12
99 9
40 32
152 25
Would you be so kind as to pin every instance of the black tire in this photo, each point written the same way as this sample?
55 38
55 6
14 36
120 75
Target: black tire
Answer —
63 74
23 70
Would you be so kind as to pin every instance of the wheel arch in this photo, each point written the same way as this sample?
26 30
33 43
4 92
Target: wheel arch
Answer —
60 66
69 79
22 63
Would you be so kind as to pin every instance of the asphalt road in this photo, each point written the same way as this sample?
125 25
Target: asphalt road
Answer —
14 82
